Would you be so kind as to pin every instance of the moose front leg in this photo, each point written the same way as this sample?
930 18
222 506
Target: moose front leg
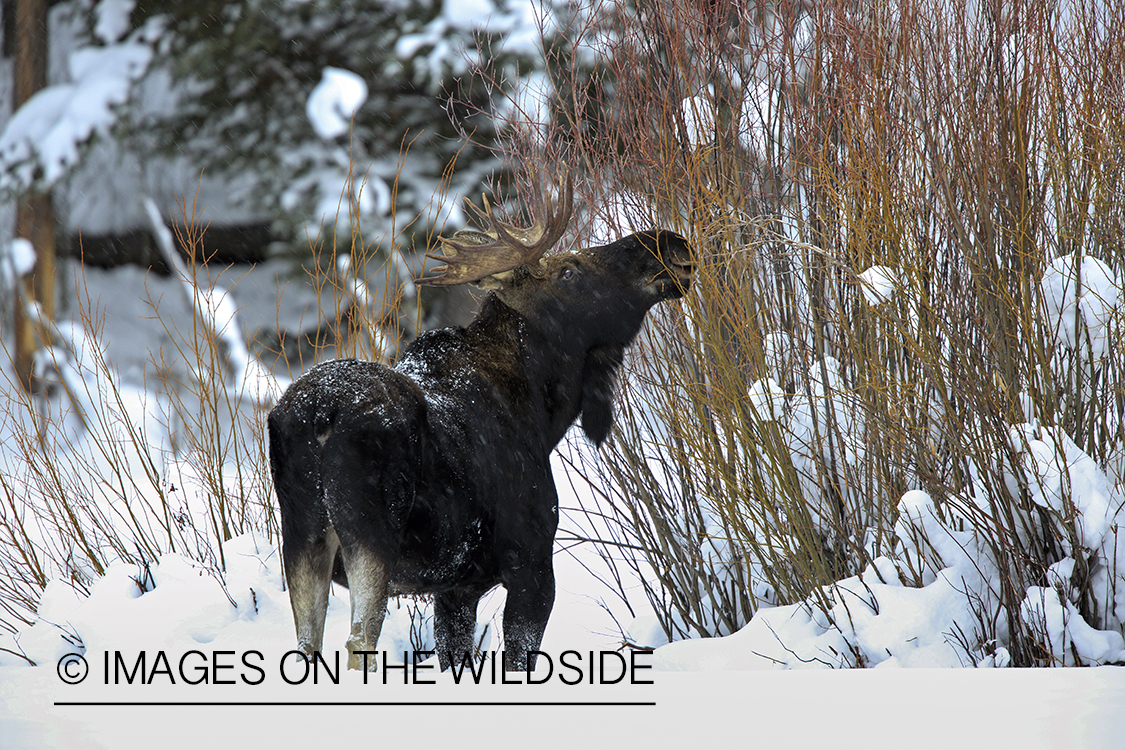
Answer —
531 595
455 621
369 585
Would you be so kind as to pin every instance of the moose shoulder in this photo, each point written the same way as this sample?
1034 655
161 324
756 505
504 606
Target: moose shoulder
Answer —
434 476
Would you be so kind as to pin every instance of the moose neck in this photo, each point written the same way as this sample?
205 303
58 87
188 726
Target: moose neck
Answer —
552 367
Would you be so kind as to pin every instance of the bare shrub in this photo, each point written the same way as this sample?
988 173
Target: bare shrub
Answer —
910 234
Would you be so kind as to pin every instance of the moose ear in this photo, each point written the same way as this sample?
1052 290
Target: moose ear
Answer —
598 376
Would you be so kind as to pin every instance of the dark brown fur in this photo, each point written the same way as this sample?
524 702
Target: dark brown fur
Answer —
435 476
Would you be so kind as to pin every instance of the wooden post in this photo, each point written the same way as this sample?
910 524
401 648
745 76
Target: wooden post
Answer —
35 216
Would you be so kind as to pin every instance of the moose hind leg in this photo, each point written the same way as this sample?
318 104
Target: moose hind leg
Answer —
308 570
369 585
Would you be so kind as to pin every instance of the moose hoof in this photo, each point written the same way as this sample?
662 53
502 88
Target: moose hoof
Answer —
360 657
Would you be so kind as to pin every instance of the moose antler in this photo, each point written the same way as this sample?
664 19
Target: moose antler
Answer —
471 256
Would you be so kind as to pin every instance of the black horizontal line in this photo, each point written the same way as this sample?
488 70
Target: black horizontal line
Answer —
354 703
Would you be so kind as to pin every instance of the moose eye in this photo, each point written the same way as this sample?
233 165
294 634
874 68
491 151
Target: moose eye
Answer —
567 274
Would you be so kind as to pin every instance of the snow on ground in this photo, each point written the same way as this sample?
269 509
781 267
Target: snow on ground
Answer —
185 614
855 708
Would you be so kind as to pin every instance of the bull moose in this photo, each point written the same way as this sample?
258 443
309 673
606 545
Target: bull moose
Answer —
434 476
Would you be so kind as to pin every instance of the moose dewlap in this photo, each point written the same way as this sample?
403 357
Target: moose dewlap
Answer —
434 476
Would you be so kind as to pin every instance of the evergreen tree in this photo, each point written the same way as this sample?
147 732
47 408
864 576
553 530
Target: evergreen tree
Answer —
244 72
